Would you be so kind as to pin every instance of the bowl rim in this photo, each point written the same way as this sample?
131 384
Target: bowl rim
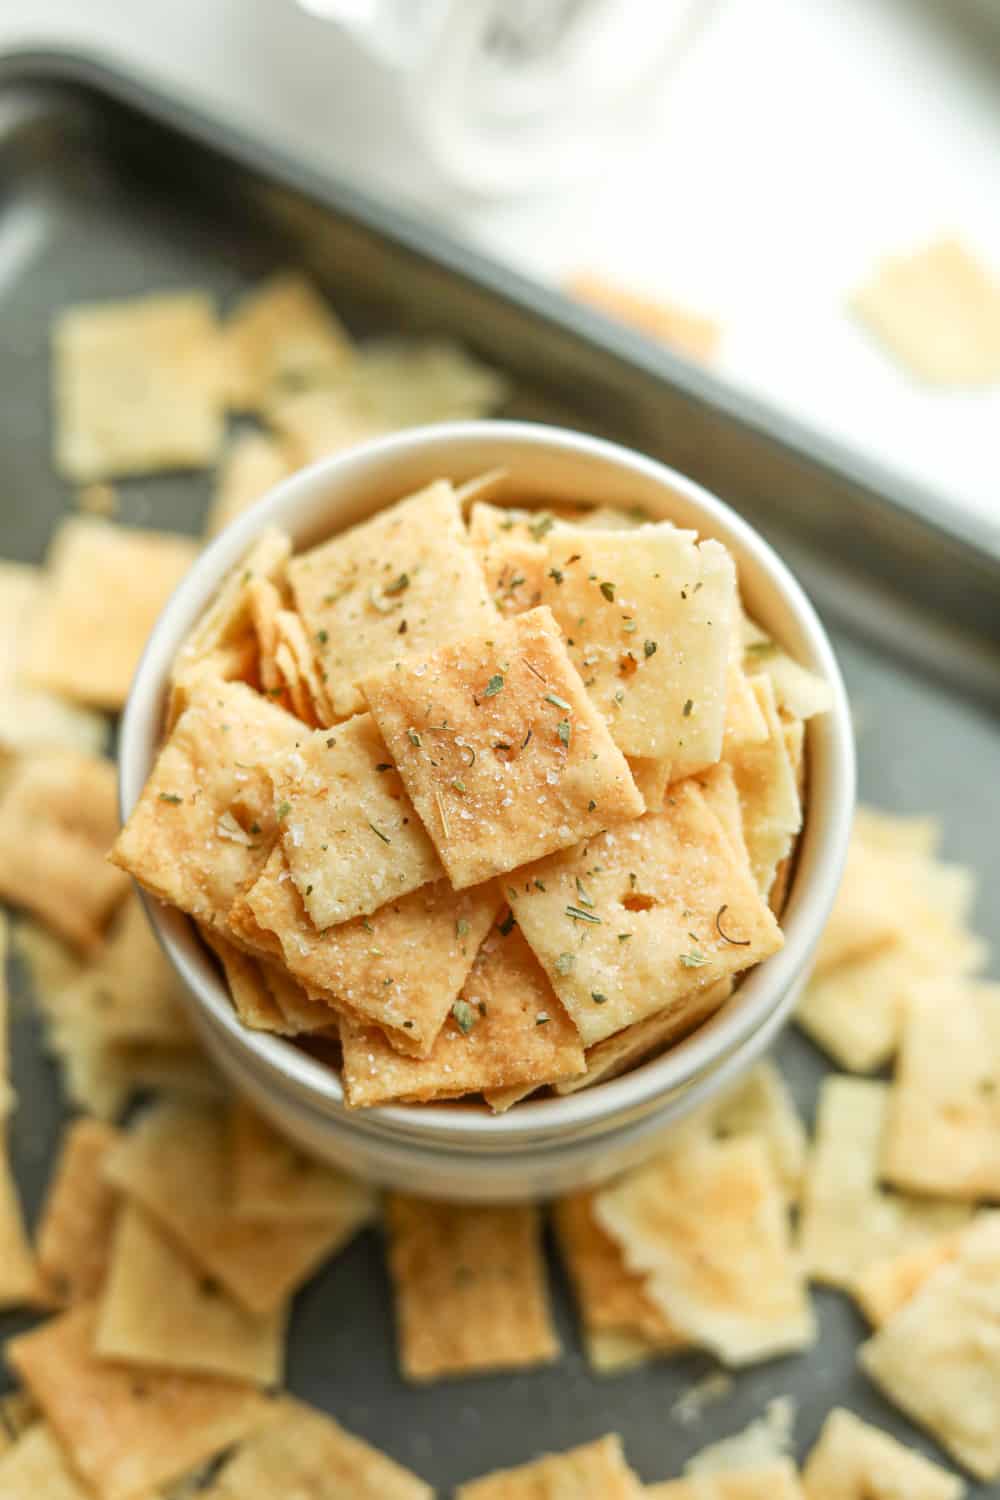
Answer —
447 449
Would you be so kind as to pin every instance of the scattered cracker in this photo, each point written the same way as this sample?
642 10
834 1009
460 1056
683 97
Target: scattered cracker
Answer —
97 500
124 1430
855 1461
847 1220
35 1466
596 1471
706 1224
938 1359
761 1105
855 1011
252 464
938 311
635 1044
315 424
281 338
943 1129
395 586
274 1180
137 386
407 382
645 918
896 834
78 1218
765 779
883 1286
688 332
611 1353
470 1286
776 1479
506 1030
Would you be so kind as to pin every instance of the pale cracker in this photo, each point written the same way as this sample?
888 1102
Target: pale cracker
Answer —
35 1466
158 1309
652 777
596 1471
689 333
407 382
898 834
126 1430
395 586
281 337
350 834
301 674
797 690
706 1224
883 1286
264 600
744 723
943 1129
722 795
635 1044
765 779
229 618
938 1358
470 1288
400 969
525 764
856 1010
175 1163
774 1480
645 918
855 1461
506 1030
938 311
252 464
314 424
137 386
274 1180
761 1105
847 1220
74 1233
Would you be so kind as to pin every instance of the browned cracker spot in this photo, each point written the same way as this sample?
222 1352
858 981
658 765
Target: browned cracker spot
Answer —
202 829
854 1461
597 1471
470 1288
158 1309
643 1039
280 338
275 1181
395 586
645 918
251 465
847 1220
765 780
500 748
34 1465
350 834
506 1030
58 816
706 1224
175 1163
78 1217
938 1358
137 386
400 969
126 1430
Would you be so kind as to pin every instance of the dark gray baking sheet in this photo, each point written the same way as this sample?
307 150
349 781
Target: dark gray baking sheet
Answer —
106 190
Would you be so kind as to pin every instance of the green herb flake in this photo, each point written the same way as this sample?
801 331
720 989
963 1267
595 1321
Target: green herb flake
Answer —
608 590
398 585
564 963
255 828
282 810
693 960
623 937
556 701
539 885
563 731
414 738
543 525
383 765
649 648
322 636
761 648
458 784
506 927
494 686
579 915
171 797
367 925
461 928
379 834
591 805
689 705
465 1016
556 574
543 1018
598 998
581 891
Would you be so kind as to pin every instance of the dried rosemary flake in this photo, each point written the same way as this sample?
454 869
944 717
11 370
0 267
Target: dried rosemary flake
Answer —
414 738
494 686
581 891
461 928
579 915
283 809
689 705
649 648
556 701
694 959
608 590
171 797
598 998
379 834
465 1016
563 731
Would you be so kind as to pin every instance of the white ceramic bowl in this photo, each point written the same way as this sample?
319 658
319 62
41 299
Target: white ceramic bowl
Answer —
550 1144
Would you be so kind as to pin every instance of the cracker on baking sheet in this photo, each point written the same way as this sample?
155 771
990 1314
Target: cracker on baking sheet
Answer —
176 1164
938 311
765 780
943 1129
274 1180
506 1030
773 1480
105 585
74 1233
854 1461
596 1471
855 1011
137 386
652 777
706 1224
847 1220
400 969
690 333
281 337
501 750
252 464
896 834
34 1466
938 1358
301 674
205 823
470 1287
395 586
58 815
406 382
883 1286
350 834
866 915
19 1285
634 1044
314 424
761 1104
157 1308
123 1430
644 918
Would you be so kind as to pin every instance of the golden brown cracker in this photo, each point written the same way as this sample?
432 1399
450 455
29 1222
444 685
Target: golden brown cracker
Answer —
78 1216
596 1471
642 1040
275 1181
883 1286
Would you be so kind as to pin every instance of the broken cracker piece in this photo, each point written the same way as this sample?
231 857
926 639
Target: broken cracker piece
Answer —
765 780
854 1461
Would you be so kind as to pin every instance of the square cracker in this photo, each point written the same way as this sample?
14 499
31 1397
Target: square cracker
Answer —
137 386
943 1129
350 834
393 587
596 1471
706 1224
274 1181
938 311
252 464
313 424
35 1466
105 587
125 1430
766 782
506 1031
400 969
645 918
938 1358
405 382
883 1286
176 1164
280 338
58 816
470 1288
158 1309
847 1220
205 823
78 1217
855 1461
647 614
642 1040
856 1010
761 1105
504 755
